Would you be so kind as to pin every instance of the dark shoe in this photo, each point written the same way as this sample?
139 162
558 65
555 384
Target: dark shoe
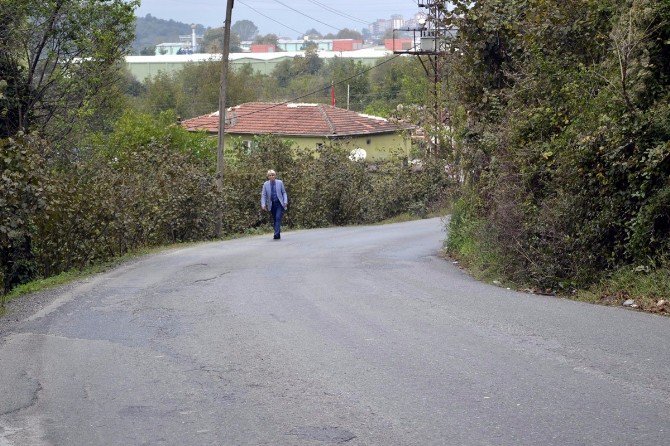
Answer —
276 237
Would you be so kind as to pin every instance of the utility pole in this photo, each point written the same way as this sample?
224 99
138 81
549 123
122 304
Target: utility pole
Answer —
348 94
431 42
220 164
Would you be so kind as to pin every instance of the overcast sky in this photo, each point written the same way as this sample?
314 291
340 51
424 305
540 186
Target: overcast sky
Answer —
212 13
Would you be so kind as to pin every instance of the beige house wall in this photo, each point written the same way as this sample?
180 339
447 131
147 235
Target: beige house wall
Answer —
377 147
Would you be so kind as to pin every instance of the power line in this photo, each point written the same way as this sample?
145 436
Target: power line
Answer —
340 13
310 17
270 18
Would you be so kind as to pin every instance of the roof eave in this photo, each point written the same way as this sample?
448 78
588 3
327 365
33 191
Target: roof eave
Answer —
301 135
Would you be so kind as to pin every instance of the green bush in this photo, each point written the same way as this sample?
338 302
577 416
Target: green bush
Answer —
23 187
100 209
151 183
565 148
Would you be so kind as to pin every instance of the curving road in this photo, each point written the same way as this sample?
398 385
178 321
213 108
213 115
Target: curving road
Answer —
357 336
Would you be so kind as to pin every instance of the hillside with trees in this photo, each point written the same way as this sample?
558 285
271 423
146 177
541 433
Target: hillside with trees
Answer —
150 31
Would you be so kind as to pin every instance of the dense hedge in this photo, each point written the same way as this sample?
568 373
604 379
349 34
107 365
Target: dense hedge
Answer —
132 192
566 141
22 198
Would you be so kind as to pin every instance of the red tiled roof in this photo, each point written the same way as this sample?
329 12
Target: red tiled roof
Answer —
258 118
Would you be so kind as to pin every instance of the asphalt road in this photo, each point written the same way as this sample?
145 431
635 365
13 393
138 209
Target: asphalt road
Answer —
357 336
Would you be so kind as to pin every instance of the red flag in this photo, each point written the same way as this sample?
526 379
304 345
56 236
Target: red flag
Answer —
332 94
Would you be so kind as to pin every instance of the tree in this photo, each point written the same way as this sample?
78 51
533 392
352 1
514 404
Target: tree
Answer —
313 34
268 39
309 45
148 50
56 57
212 41
347 33
338 69
194 90
162 93
310 64
245 29
23 195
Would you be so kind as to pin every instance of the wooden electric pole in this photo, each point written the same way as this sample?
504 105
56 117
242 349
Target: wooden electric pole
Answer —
220 164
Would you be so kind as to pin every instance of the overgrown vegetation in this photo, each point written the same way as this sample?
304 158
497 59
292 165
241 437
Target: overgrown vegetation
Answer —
150 183
57 60
564 138
150 31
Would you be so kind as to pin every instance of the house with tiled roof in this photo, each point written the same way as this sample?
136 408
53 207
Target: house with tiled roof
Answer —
310 126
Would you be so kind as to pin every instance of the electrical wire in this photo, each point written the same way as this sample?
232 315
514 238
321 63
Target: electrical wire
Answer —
309 17
340 13
270 18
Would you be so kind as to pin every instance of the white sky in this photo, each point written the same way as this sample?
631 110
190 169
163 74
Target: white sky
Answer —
212 13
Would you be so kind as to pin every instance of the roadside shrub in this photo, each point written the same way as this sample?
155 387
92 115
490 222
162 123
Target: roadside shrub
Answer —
471 240
650 230
565 142
142 189
100 208
23 187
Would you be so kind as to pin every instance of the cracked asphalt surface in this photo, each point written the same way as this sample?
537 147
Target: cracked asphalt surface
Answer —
357 336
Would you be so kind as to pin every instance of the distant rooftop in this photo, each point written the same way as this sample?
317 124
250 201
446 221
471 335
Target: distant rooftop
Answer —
293 119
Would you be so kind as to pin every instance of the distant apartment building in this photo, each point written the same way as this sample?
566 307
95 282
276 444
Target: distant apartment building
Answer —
417 21
397 21
379 27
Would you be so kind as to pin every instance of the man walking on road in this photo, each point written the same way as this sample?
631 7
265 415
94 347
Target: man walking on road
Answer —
274 193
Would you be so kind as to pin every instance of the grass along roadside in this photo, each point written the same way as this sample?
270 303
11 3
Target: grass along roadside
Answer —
639 288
